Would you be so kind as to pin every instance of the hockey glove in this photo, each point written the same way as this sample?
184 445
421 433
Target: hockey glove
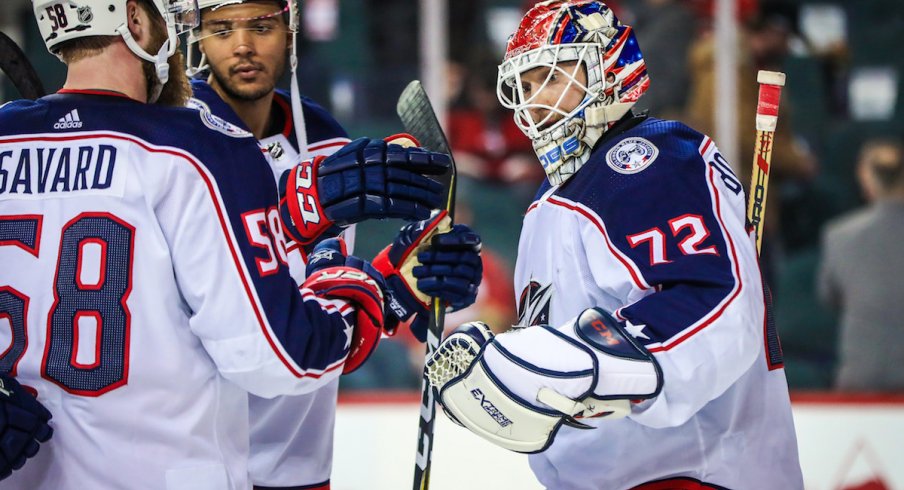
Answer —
23 424
365 179
518 388
333 275
429 259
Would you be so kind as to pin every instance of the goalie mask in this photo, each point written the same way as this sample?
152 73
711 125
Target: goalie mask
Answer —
581 45
65 20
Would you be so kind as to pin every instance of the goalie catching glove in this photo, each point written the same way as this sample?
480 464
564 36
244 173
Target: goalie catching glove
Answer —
365 179
23 424
331 274
517 389
428 259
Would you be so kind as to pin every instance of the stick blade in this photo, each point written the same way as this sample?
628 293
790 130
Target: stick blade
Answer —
419 120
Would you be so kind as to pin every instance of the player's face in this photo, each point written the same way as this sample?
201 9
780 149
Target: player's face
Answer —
246 47
553 87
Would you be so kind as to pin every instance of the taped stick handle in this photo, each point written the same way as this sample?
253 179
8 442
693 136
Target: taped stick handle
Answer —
770 95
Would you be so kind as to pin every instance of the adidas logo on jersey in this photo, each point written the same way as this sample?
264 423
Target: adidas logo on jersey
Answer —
69 121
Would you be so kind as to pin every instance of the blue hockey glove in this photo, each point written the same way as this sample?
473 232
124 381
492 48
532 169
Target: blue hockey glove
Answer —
334 275
365 179
23 424
430 259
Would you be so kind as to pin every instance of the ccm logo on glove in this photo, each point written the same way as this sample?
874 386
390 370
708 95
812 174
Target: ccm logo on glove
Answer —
604 331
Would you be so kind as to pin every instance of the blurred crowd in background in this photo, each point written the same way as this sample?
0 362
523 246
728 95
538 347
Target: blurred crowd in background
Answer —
835 216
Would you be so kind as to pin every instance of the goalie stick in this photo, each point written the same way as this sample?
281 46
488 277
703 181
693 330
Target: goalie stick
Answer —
771 83
19 70
419 120
770 95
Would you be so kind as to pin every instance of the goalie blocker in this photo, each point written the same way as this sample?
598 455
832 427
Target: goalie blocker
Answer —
506 390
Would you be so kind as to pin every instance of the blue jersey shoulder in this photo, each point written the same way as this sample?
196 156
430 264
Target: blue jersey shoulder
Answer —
653 163
189 130
319 123
215 110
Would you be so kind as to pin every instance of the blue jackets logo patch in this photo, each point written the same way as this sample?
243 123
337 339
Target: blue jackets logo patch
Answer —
631 155
215 122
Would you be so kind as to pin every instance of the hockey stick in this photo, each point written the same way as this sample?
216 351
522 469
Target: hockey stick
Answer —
418 118
771 83
19 70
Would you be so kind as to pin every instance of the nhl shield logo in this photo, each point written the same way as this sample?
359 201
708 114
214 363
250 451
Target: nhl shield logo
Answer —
631 155
85 15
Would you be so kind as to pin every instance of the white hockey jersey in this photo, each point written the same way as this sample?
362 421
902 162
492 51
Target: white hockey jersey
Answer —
143 307
653 229
291 436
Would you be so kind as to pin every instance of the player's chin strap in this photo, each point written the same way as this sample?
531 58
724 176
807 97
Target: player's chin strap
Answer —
161 61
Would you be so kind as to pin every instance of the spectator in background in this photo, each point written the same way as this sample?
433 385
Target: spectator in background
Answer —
763 45
485 140
665 24
860 274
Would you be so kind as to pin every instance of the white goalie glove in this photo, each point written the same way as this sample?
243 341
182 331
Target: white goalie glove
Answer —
518 388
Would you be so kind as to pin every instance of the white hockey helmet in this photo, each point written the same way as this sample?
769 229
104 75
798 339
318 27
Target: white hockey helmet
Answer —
64 20
559 31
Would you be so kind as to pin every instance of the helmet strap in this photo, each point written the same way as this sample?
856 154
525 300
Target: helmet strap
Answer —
301 134
161 61
297 112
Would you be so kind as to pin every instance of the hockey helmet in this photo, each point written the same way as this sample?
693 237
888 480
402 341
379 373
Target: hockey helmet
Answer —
64 20
588 33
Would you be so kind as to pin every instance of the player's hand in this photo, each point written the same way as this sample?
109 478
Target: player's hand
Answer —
365 179
430 259
333 274
23 424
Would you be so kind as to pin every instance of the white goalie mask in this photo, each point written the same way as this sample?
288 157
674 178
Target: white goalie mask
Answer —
65 20
588 37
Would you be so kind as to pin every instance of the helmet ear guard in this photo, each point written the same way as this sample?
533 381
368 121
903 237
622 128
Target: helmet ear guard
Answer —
587 32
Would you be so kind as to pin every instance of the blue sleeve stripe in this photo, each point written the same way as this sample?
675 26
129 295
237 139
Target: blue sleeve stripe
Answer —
720 308
587 213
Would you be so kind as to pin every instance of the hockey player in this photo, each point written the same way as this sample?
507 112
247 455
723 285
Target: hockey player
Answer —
642 305
244 46
145 300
